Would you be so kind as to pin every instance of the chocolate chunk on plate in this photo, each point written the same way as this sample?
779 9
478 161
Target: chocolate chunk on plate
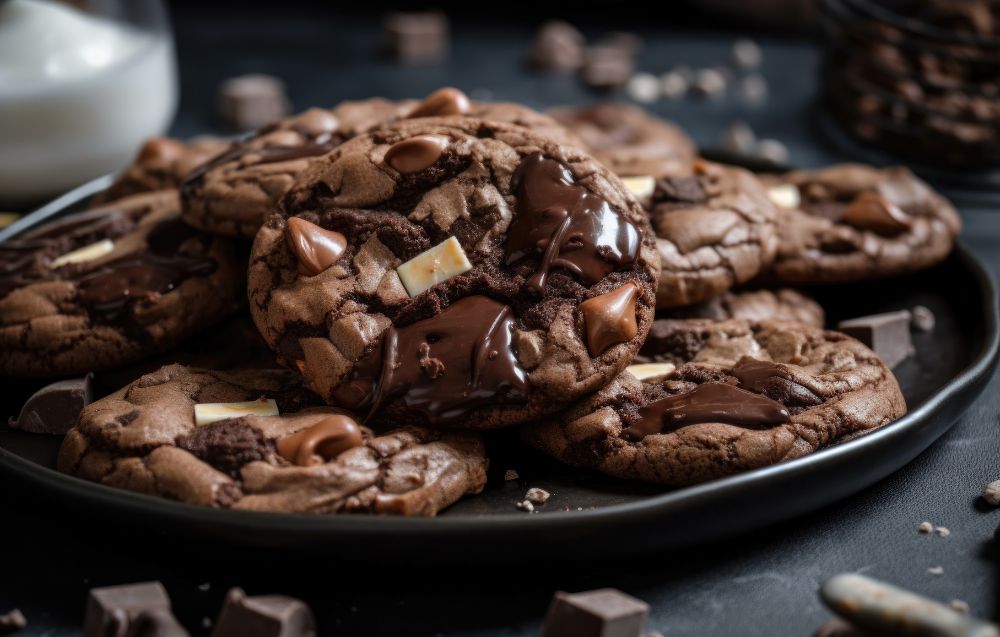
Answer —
264 616
887 334
113 609
605 612
53 409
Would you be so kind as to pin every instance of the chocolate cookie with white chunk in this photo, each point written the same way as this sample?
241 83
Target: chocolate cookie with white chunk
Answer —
103 288
254 440
715 228
852 222
742 396
233 193
455 273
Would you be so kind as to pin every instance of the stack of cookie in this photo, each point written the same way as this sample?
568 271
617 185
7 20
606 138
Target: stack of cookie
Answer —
425 272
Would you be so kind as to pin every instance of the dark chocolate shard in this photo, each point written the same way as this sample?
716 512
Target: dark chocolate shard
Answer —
888 334
604 612
156 623
12 621
111 610
53 409
264 616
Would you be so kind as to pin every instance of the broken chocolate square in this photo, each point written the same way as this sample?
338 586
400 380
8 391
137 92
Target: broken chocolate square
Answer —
111 610
53 409
888 334
251 101
156 623
417 38
604 612
264 616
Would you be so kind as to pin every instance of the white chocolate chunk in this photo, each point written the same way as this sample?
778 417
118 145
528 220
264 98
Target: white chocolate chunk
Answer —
86 253
7 218
650 370
427 269
642 187
205 413
785 195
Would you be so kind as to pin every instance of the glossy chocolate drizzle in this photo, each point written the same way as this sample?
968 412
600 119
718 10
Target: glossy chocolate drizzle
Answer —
442 367
572 228
711 402
771 380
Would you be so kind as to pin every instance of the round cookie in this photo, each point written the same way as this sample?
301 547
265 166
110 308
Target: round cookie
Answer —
233 193
715 228
743 396
162 164
754 305
538 290
852 222
629 140
146 437
103 288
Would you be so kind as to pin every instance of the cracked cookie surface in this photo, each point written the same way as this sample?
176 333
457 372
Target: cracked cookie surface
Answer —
233 193
783 304
854 222
743 396
629 140
102 288
308 459
715 228
554 302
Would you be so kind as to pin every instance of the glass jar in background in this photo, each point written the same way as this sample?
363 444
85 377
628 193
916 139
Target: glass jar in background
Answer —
82 84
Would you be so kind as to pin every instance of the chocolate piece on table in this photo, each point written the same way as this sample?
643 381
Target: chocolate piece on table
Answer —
607 67
887 334
111 610
264 616
251 101
558 46
604 612
156 623
417 38
53 409
884 609
11 621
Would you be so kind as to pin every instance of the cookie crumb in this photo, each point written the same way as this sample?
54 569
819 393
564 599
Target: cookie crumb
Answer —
526 506
204 587
942 531
991 493
922 319
13 620
511 474
936 570
925 527
206 622
537 496
959 606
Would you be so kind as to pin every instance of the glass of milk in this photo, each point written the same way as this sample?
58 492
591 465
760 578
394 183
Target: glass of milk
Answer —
82 84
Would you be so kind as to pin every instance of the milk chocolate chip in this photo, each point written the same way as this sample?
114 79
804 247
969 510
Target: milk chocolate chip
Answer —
872 211
415 154
444 101
322 442
610 318
315 248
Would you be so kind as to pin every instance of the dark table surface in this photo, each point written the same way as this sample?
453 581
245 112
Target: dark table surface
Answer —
762 584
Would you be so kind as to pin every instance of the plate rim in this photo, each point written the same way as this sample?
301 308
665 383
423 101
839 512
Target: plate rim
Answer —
154 508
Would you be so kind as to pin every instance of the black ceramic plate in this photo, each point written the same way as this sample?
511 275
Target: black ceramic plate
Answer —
590 514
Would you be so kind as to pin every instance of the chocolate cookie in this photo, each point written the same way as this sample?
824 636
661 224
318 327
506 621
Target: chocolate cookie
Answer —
715 228
755 305
233 193
455 273
162 164
214 439
105 287
743 396
852 222
629 140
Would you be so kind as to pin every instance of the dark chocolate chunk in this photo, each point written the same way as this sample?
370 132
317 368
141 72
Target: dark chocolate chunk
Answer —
111 610
156 623
263 616
557 47
12 621
887 334
53 409
417 38
922 319
251 101
604 612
